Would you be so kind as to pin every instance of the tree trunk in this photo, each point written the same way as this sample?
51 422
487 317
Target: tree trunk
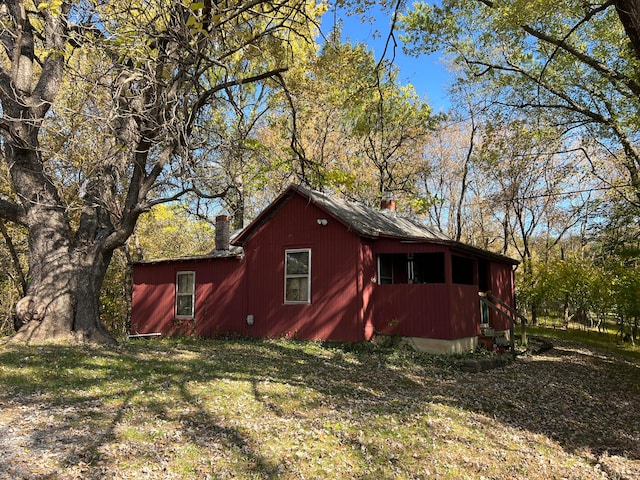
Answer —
65 275
629 14
534 314
62 301
62 307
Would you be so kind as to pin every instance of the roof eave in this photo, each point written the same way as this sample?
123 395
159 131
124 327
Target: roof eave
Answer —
193 258
463 246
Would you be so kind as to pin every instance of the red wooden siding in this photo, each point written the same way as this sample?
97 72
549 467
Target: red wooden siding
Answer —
216 308
220 310
465 311
501 285
153 299
437 310
412 310
334 312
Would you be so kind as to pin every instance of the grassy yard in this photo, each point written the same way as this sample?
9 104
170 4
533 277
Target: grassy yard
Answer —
605 340
289 410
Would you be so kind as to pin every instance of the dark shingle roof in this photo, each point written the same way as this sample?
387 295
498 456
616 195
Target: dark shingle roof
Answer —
369 222
365 221
231 253
358 218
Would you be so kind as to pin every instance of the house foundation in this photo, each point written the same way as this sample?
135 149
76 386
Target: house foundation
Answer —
441 347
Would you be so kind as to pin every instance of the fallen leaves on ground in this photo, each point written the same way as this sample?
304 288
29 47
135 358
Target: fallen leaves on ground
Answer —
276 409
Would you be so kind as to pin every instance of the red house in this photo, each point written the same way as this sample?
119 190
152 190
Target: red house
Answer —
319 268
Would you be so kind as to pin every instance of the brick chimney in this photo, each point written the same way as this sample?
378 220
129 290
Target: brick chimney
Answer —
388 202
223 232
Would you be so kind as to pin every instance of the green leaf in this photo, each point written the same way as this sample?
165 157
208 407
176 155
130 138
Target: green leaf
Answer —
193 22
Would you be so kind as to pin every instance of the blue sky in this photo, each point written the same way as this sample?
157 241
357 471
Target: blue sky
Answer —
427 73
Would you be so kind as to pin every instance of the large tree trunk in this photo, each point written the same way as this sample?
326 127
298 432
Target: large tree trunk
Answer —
65 278
62 301
62 304
629 14
68 257
65 271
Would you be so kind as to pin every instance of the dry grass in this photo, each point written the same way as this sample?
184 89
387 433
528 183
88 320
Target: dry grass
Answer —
276 409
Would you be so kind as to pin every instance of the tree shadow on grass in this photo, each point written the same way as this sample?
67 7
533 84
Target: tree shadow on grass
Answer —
204 429
55 403
578 398
130 385
157 390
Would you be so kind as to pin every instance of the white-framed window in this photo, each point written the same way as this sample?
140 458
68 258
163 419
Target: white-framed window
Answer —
185 294
297 276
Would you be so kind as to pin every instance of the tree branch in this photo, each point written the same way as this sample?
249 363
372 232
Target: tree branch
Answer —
613 75
12 212
570 103
629 15
206 96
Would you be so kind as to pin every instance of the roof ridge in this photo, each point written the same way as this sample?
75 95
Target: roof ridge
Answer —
369 221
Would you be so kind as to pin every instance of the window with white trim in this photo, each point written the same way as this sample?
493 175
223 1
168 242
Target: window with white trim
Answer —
297 276
185 294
